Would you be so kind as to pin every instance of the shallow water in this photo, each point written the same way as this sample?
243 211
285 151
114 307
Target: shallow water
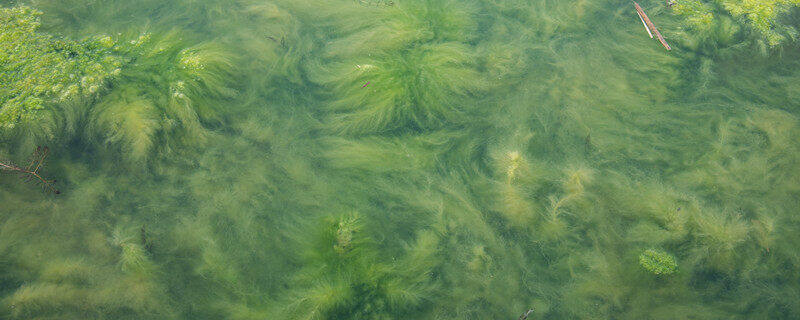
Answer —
415 159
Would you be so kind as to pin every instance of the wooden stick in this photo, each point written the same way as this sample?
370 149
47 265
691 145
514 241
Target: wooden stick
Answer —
38 158
651 25
645 25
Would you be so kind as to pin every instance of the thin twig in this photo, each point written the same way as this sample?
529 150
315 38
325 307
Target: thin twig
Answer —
645 25
37 159
651 25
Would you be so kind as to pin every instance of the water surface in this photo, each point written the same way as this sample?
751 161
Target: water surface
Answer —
416 159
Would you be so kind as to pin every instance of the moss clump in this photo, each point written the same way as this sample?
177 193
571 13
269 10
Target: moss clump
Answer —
658 262
37 68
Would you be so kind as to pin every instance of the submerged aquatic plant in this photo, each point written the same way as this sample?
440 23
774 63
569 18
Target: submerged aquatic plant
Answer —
418 62
38 69
697 13
720 235
151 87
166 95
554 226
514 194
344 278
658 262
344 234
420 87
763 16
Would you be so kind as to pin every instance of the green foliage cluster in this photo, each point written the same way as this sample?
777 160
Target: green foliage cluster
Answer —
38 69
764 17
658 262
344 277
164 98
698 14
412 65
134 94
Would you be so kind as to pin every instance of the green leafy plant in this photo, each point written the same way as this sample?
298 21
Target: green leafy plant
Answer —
763 16
344 278
658 262
419 87
134 94
412 69
165 97
38 69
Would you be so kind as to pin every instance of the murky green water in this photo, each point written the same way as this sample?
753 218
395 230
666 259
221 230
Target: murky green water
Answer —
410 159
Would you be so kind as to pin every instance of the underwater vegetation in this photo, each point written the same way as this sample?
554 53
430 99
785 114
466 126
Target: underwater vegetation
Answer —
765 18
165 98
39 69
412 66
54 86
385 91
406 159
345 280
658 262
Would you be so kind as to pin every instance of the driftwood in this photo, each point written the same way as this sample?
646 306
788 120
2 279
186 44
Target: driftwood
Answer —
650 26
